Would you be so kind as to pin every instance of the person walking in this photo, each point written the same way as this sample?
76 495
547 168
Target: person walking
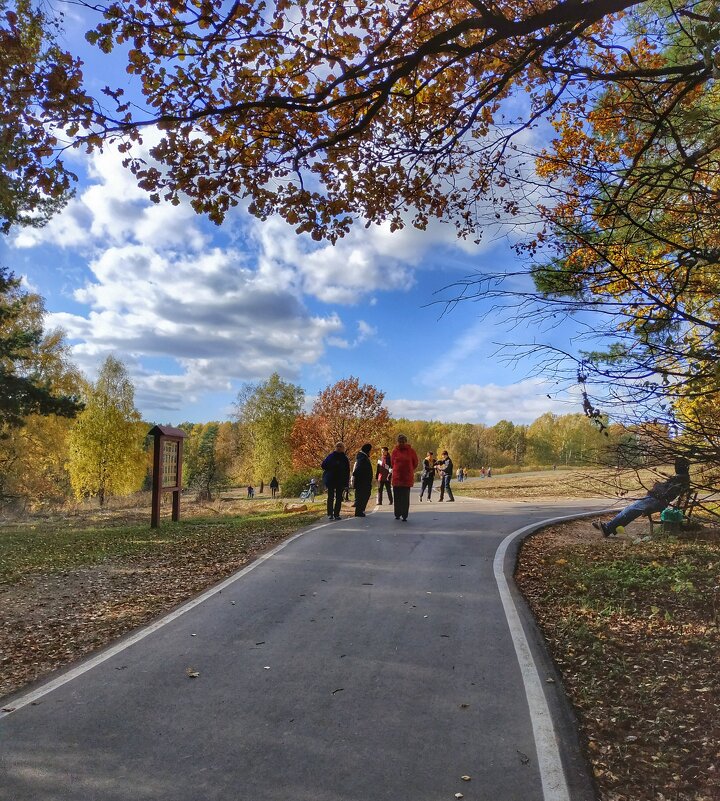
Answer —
336 477
446 469
382 474
362 479
274 486
428 475
404 463
657 499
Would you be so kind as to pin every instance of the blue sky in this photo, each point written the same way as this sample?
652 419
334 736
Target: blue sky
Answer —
195 310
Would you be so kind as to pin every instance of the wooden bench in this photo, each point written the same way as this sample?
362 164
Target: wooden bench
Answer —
686 503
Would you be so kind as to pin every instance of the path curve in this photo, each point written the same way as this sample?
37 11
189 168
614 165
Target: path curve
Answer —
361 660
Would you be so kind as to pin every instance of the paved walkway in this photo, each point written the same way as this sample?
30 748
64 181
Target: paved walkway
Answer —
363 660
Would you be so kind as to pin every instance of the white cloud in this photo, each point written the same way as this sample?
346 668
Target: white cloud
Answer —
521 402
191 316
207 311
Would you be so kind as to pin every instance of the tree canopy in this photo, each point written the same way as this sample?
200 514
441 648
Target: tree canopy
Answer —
321 112
41 99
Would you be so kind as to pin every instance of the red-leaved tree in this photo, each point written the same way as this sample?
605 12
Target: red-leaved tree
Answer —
344 412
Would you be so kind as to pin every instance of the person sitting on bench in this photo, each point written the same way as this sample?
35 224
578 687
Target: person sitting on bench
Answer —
657 499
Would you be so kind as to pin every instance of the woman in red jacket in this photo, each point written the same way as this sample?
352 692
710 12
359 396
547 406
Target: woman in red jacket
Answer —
403 476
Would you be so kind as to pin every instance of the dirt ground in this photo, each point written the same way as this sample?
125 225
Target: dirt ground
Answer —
639 663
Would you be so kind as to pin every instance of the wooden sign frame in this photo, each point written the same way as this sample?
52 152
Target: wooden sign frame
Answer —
167 469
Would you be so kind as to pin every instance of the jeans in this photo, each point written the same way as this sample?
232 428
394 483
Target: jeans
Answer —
644 506
445 487
427 483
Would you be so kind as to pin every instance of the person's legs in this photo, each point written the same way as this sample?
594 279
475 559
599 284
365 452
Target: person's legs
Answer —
406 503
644 506
339 492
402 502
451 497
331 490
362 496
430 486
397 505
388 487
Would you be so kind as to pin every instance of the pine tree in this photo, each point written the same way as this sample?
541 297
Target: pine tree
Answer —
25 386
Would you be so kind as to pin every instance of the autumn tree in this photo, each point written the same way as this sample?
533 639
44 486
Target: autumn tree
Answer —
25 380
267 412
41 99
33 455
347 412
423 435
107 454
322 111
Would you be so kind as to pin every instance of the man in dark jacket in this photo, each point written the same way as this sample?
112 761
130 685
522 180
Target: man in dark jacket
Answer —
656 500
336 477
362 479
446 473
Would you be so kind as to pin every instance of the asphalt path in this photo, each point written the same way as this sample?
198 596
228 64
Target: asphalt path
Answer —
366 659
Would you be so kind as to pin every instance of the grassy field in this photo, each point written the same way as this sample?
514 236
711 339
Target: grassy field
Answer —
52 546
560 483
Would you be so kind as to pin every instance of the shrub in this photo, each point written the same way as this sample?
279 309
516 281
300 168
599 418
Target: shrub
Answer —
295 483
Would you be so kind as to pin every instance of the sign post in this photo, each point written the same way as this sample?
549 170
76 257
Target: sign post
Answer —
167 469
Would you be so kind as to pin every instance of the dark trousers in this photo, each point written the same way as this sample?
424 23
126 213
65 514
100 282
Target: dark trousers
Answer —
427 483
445 487
334 500
362 496
388 487
402 502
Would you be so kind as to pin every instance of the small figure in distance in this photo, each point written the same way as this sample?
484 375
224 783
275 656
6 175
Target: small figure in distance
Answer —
251 491
383 474
404 464
428 475
446 468
336 477
656 500
274 486
489 472
313 488
362 479
459 474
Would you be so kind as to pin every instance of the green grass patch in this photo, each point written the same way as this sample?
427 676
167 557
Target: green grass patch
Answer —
50 548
